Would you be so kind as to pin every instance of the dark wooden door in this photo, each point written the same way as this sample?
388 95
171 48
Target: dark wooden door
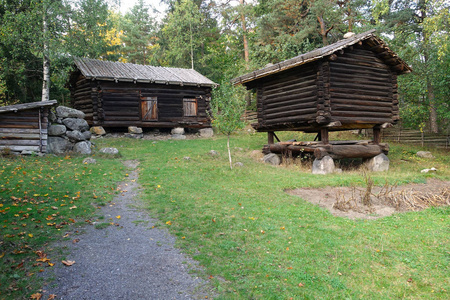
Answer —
149 108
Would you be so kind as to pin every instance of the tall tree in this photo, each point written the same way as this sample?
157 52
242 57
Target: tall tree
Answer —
139 34
420 29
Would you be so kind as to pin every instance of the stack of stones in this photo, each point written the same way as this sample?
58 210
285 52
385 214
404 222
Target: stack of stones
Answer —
68 132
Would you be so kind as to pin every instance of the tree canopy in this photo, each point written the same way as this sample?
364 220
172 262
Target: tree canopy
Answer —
222 39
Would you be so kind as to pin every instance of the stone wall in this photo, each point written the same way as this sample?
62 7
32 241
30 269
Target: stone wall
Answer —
68 132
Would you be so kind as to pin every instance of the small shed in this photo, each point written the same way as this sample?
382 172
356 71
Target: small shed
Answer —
351 84
23 127
114 94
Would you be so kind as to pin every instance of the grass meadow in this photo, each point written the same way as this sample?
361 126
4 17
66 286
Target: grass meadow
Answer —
253 240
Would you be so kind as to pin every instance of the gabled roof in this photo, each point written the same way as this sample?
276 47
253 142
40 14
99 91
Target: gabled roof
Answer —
117 71
24 106
375 43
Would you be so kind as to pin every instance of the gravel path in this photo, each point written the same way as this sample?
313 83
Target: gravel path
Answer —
129 261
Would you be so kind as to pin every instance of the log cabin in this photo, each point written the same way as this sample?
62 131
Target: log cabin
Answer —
23 127
351 84
114 94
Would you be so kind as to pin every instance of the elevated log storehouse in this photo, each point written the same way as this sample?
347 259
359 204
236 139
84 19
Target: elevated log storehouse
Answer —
114 94
23 127
351 84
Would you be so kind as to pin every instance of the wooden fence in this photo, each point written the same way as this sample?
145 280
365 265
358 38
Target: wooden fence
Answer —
408 136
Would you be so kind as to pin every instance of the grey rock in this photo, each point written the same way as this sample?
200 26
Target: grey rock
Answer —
83 147
75 136
177 130
52 117
109 150
27 152
272 159
178 137
323 166
76 124
213 153
98 130
133 135
87 135
89 160
239 164
206 132
134 130
67 112
379 163
56 130
58 145
425 154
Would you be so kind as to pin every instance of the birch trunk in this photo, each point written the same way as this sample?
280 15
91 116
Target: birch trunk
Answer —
46 61
229 152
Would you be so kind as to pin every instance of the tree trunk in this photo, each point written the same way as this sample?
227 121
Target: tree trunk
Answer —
244 30
229 152
430 87
46 61
433 113
323 31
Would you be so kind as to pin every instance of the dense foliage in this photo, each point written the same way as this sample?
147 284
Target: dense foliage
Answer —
223 39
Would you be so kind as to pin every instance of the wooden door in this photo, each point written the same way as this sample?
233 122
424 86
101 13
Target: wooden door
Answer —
149 108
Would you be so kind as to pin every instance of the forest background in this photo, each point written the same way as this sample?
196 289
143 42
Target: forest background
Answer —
221 39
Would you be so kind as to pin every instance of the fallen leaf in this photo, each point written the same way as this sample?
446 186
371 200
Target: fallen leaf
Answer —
73 207
68 262
75 241
36 296
51 297
301 285
54 207
118 217
409 279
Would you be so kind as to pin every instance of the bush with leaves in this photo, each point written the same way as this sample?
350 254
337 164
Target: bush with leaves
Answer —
227 108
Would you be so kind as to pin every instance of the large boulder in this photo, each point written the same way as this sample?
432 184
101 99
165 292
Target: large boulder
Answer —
424 154
379 163
134 130
56 130
323 166
272 159
76 124
177 130
83 147
109 150
75 136
98 130
58 145
206 132
67 112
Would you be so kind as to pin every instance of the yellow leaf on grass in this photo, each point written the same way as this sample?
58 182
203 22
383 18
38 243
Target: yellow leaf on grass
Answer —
36 296
30 235
169 223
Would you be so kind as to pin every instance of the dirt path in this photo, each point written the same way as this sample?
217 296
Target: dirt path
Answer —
129 261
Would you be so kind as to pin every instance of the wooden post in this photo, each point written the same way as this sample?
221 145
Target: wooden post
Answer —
324 136
376 135
270 135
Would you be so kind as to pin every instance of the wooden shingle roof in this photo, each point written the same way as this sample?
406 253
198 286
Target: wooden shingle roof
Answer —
127 72
25 106
376 44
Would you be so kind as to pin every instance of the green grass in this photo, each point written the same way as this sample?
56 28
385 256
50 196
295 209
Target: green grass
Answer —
254 240
257 242
41 198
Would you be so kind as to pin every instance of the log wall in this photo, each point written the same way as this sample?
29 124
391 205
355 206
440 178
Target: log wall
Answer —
111 104
288 98
362 89
22 130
